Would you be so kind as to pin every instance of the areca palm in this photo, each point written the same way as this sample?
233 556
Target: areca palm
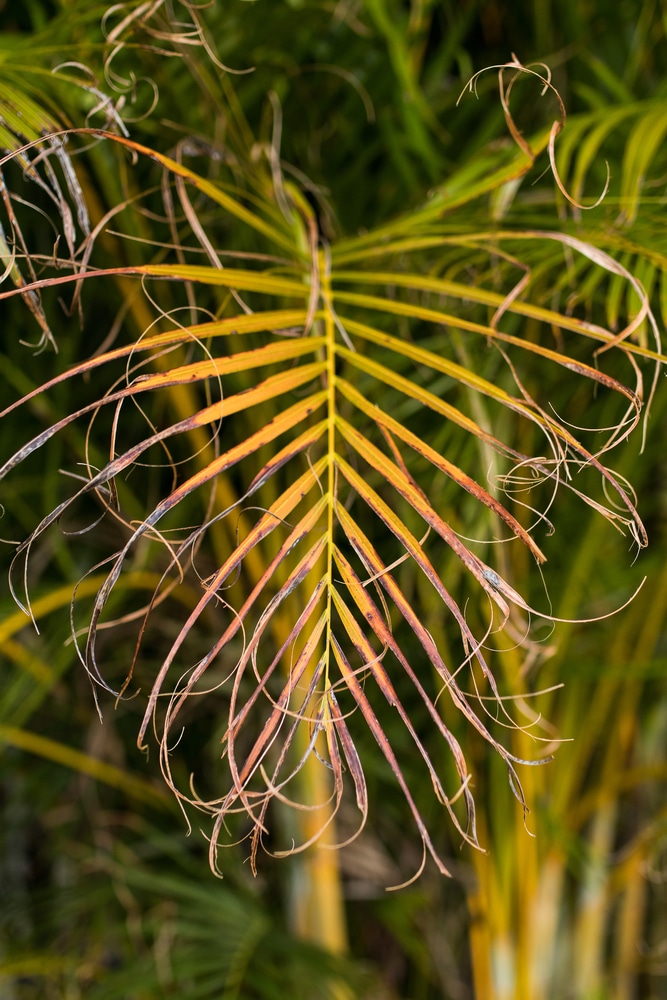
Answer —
313 326
301 428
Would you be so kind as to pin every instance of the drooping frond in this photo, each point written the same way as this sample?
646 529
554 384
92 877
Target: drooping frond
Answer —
322 424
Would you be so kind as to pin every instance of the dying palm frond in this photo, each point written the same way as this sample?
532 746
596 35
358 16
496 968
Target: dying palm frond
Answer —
302 422
37 106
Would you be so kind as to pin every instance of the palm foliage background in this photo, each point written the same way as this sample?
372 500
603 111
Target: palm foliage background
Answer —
319 326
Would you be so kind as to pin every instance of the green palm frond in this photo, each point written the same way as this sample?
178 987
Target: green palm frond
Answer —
115 921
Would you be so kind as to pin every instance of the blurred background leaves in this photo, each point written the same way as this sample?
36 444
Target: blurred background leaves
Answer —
102 897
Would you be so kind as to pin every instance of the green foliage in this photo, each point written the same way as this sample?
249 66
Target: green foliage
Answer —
147 927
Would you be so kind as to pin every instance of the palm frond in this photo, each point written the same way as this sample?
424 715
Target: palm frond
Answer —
324 393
